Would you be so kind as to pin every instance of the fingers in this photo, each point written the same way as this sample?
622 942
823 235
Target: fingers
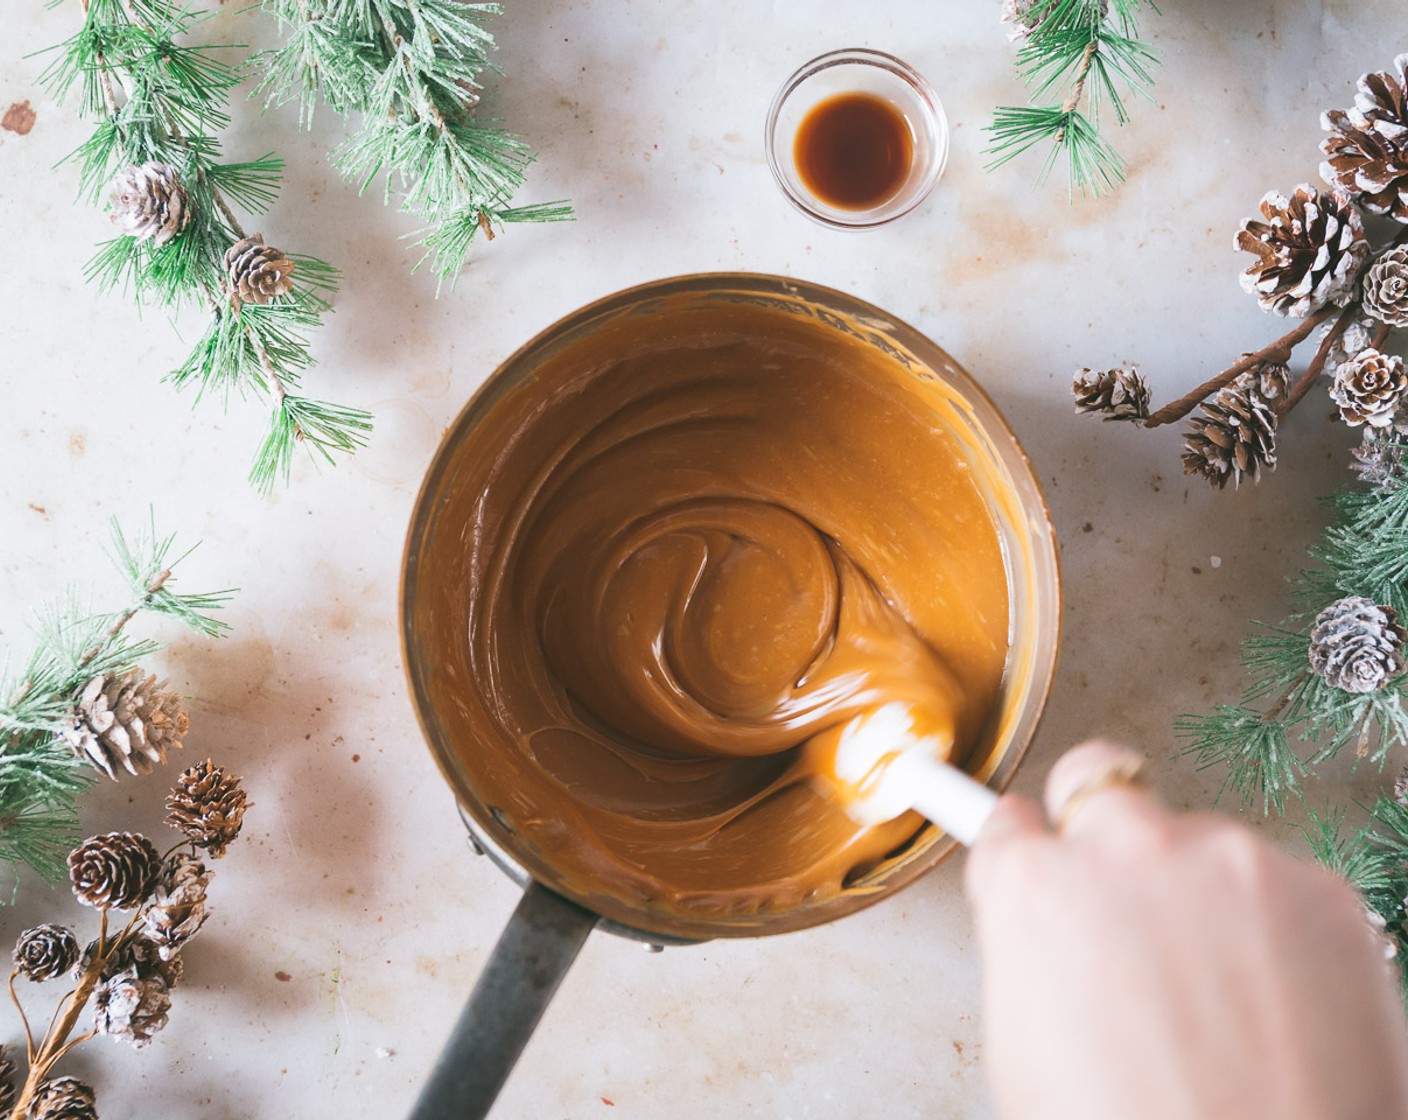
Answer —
1014 819
1093 789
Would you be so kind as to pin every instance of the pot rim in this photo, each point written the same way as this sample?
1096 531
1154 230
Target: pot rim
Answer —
656 928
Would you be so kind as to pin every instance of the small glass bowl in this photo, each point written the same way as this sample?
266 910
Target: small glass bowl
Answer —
881 75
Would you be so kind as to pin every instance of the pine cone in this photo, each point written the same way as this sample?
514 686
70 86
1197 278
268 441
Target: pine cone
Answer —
1270 380
1019 14
177 909
63 1098
8 1090
1352 340
1378 929
1357 645
1367 149
1117 394
131 1006
149 202
1379 462
115 871
128 721
1309 251
44 952
257 272
1400 787
207 805
1370 389
135 954
1386 287
1234 435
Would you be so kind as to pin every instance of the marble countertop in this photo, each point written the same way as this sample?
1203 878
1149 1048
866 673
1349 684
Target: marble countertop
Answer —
353 919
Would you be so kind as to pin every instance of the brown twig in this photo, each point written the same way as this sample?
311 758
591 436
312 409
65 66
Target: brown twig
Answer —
105 79
1381 336
1317 364
1278 351
28 1034
1068 106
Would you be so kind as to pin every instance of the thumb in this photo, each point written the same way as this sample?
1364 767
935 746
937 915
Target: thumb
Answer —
1015 820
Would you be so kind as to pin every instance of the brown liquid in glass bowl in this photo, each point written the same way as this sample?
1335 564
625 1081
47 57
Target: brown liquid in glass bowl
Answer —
854 151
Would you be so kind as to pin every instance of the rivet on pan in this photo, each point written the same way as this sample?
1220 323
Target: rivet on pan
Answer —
653 948
474 846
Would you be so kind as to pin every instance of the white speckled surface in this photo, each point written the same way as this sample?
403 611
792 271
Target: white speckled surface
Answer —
353 919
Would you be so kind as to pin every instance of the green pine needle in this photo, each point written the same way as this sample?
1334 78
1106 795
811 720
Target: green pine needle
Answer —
1077 53
41 777
414 71
1260 764
157 98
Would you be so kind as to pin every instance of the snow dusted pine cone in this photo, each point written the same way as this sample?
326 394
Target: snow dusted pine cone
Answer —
257 272
44 952
1378 462
1386 288
1357 645
8 1092
1270 380
1367 149
131 1006
1019 14
134 954
1370 389
128 721
1352 340
63 1098
1116 394
1234 435
114 871
207 805
149 202
1309 250
177 909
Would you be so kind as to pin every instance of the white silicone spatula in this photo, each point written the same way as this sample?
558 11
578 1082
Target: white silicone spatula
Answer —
884 767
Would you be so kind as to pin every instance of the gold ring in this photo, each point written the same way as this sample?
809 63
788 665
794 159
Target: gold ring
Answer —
1126 770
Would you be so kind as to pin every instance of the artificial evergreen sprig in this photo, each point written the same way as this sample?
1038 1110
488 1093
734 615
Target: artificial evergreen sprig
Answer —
413 69
1302 683
1088 53
1374 859
41 771
160 103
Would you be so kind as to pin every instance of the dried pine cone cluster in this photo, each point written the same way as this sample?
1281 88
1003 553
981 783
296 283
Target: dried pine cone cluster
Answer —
1311 256
128 974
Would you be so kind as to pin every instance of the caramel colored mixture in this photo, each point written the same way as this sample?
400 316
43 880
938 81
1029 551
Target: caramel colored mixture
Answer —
681 552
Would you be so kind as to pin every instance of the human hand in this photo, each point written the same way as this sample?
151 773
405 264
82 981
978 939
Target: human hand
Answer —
1141 965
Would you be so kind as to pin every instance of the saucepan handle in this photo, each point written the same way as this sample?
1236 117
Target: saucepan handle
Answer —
533 954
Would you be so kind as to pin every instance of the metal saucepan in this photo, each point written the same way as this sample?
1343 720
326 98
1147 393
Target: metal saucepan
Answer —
552 922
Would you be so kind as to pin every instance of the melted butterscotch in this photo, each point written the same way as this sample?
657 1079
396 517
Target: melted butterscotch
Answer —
682 549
